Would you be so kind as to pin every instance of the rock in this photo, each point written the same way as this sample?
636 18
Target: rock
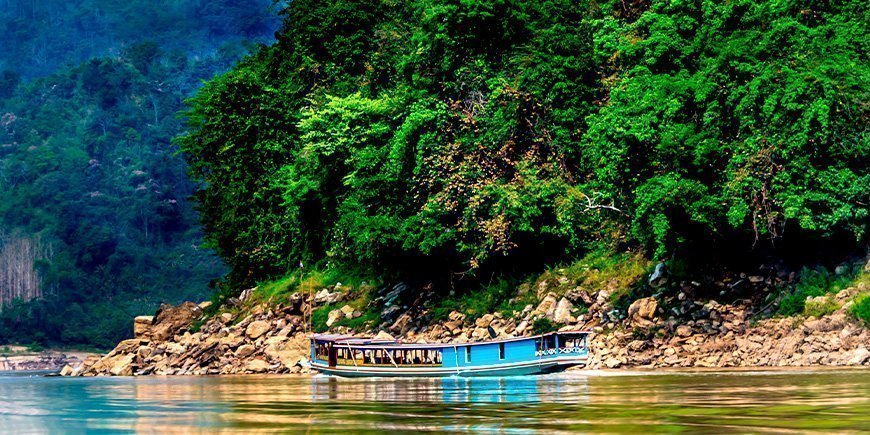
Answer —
257 366
659 276
402 324
612 363
256 329
226 318
579 296
453 326
288 352
859 356
547 307
126 346
171 320
321 296
521 328
67 370
484 321
123 365
142 326
205 304
562 312
245 350
384 335
347 310
642 311
683 331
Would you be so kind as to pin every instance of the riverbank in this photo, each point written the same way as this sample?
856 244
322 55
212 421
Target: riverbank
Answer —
20 358
250 335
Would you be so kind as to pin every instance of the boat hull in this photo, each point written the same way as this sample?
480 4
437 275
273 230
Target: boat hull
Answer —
515 369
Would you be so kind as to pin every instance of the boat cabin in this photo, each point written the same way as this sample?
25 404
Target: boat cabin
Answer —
353 356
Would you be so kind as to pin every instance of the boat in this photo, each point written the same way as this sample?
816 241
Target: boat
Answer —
350 356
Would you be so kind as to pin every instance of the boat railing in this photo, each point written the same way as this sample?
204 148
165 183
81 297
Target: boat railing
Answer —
560 350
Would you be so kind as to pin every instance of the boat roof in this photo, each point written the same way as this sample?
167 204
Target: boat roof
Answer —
351 340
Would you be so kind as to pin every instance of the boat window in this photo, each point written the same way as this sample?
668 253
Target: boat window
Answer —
501 351
321 350
467 354
386 357
545 343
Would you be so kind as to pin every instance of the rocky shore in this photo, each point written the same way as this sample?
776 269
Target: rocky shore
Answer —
42 361
264 337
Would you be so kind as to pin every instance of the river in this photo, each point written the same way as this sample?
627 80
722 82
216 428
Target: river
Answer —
636 402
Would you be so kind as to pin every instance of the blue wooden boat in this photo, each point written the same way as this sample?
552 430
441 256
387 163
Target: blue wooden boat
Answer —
350 356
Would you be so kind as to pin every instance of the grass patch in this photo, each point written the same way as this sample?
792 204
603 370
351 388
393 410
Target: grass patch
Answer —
601 269
818 282
861 309
498 296
819 308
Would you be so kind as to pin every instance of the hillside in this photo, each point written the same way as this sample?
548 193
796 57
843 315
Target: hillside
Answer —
96 224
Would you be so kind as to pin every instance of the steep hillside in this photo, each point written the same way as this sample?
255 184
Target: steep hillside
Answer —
95 219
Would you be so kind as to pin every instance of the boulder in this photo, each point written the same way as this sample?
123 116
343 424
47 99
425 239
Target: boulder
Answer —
484 321
347 310
142 326
122 365
562 312
659 276
684 331
245 350
257 366
859 356
256 329
384 335
226 318
334 316
67 370
547 307
289 352
171 320
642 311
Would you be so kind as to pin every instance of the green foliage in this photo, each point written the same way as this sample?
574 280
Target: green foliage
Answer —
819 308
478 135
861 309
497 296
543 326
618 273
812 283
86 163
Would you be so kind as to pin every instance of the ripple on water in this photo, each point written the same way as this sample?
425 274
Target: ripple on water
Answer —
712 402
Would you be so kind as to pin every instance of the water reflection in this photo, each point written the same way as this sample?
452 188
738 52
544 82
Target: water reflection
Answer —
699 402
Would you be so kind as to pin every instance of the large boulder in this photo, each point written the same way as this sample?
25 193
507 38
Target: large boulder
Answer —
642 311
142 327
562 313
171 320
334 316
547 307
256 329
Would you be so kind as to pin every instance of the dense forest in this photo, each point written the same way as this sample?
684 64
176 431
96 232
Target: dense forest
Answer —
96 222
477 138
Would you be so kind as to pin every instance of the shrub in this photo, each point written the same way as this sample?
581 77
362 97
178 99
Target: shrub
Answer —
861 309
820 307
543 326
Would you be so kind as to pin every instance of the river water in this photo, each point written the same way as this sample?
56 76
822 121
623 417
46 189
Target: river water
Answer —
636 402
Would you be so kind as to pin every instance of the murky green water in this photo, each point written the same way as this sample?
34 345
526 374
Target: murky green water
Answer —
709 402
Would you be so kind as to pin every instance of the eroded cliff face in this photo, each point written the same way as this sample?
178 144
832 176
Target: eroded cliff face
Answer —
272 338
